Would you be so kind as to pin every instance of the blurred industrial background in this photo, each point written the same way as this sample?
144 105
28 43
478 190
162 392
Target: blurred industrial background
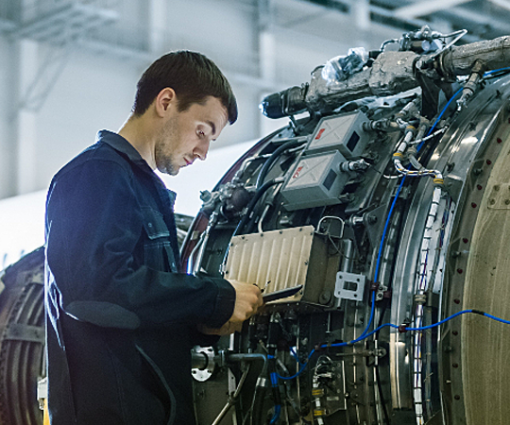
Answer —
69 68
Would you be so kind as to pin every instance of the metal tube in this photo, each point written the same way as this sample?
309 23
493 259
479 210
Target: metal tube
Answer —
232 399
242 357
460 60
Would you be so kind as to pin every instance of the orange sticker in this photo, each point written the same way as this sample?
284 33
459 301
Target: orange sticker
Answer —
319 134
296 174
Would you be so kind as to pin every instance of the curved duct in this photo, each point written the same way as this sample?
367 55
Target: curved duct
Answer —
22 340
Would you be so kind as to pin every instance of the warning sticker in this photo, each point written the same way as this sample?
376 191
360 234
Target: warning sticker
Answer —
298 171
319 134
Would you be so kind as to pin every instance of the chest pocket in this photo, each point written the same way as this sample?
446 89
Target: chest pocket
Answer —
158 252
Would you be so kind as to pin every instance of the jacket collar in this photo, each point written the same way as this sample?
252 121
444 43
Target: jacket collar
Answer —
120 144
117 142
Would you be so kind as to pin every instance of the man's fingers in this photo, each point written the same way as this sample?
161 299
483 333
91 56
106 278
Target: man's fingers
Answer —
248 300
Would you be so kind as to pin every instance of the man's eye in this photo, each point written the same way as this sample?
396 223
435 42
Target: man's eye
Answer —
200 133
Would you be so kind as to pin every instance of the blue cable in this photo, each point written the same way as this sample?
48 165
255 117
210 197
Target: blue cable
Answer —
441 115
381 245
276 415
274 380
402 328
303 367
497 319
486 74
423 328
294 354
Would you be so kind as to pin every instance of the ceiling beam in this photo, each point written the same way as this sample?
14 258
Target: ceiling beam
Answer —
426 8
505 4
477 18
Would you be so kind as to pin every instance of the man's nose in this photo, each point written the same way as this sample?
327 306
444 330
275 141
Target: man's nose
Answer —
202 150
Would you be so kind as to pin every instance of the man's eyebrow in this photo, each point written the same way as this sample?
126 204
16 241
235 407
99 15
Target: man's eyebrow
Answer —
212 126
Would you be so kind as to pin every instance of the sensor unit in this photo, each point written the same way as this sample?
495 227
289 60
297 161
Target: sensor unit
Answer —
344 133
315 181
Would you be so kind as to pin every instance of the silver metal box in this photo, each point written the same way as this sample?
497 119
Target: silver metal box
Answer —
286 258
344 133
315 181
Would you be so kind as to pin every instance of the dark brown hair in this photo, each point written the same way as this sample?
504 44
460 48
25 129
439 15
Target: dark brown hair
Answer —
191 75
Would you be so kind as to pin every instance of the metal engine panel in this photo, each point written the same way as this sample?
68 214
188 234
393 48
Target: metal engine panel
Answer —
393 325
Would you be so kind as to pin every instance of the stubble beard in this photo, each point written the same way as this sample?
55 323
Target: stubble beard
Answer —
164 161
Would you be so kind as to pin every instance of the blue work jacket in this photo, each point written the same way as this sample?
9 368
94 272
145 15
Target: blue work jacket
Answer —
121 319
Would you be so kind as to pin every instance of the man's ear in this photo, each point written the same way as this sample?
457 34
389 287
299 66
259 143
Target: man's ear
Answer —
165 101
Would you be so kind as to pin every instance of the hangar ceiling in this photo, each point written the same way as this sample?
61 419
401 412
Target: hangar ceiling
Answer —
97 20
123 28
484 19
126 29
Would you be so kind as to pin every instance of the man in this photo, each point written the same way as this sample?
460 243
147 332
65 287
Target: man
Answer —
121 318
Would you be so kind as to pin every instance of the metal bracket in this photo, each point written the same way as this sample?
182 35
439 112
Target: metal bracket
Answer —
350 286
202 374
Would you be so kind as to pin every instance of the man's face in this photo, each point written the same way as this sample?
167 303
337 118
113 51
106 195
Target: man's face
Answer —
186 135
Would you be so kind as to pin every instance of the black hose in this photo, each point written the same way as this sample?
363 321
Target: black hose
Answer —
258 194
271 160
274 386
258 397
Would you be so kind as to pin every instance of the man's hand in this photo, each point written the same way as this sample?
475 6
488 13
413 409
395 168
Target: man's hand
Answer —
248 300
227 329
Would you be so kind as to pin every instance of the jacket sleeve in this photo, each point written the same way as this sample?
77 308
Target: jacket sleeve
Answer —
93 226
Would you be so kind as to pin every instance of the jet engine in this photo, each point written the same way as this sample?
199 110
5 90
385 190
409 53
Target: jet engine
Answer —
376 223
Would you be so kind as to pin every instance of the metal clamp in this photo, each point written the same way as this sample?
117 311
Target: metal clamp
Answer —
349 286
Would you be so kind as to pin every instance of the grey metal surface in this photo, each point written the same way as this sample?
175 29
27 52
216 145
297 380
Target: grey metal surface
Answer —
315 181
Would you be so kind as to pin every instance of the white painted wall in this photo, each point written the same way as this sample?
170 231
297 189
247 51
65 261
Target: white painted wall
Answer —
91 94
7 133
